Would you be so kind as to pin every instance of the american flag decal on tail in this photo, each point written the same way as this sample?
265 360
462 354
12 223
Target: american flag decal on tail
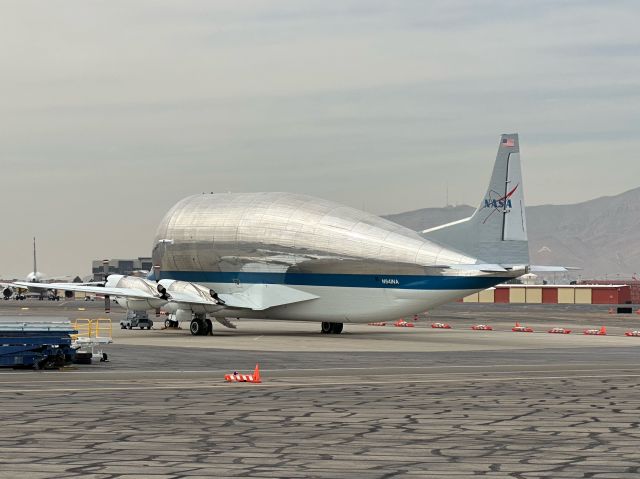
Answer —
508 142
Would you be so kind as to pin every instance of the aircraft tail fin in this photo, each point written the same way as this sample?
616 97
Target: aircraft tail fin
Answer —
497 231
35 265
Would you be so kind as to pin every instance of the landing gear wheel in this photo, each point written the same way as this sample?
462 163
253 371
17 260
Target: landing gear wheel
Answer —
196 327
205 327
167 323
331 328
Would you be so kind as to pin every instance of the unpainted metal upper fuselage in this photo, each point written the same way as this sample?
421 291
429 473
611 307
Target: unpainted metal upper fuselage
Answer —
289 233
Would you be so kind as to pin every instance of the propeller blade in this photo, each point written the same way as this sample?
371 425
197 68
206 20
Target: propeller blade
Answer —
163 292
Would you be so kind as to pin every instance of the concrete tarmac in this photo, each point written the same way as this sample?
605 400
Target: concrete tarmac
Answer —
373 402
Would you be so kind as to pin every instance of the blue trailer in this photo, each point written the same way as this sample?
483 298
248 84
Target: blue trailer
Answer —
41 345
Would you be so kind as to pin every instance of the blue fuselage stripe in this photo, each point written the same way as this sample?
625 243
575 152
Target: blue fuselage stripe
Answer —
339 280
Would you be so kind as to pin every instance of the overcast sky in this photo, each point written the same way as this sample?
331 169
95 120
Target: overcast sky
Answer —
112 111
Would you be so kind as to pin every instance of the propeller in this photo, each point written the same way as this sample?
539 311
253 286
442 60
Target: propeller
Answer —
163 292
214 295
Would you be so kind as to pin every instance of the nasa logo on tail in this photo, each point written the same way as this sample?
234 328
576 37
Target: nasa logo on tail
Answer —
501 203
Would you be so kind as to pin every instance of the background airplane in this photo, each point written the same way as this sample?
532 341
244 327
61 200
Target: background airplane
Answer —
10 290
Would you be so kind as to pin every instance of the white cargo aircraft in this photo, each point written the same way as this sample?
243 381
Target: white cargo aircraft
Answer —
294 257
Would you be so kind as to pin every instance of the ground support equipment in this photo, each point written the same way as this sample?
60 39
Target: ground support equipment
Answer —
91 336
43 345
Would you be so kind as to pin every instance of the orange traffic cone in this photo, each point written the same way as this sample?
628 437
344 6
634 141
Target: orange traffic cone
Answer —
517 324
244 378
603 331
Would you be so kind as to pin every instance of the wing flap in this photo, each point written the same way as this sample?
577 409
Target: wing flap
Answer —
264 296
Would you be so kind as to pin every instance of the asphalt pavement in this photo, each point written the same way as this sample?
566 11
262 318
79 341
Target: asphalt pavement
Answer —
373 402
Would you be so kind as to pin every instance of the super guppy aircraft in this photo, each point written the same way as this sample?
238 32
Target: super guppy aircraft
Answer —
294 257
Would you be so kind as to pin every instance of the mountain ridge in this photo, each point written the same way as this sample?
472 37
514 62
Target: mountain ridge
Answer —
601 236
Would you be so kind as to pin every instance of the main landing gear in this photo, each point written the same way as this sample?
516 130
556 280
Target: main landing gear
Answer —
201 325
331 328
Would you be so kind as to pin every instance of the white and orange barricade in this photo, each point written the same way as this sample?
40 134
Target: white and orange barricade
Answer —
559 331
236 377
440 326
481 327
521 329
635 333
401 323
596 332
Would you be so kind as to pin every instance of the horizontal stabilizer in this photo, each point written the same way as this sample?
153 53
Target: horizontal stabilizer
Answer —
482 268
551 269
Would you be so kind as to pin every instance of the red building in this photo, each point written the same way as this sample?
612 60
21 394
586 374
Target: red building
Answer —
634 286
613 294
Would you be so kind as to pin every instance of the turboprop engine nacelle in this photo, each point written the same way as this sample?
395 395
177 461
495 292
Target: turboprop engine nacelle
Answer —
141 284
177 289
7 292
180 315
196 298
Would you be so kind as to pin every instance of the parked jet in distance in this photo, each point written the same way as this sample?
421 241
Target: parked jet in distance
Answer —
14 290
294 257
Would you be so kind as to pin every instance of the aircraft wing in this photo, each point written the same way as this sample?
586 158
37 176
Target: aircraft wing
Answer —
101 290
12 285
257 297
264 296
